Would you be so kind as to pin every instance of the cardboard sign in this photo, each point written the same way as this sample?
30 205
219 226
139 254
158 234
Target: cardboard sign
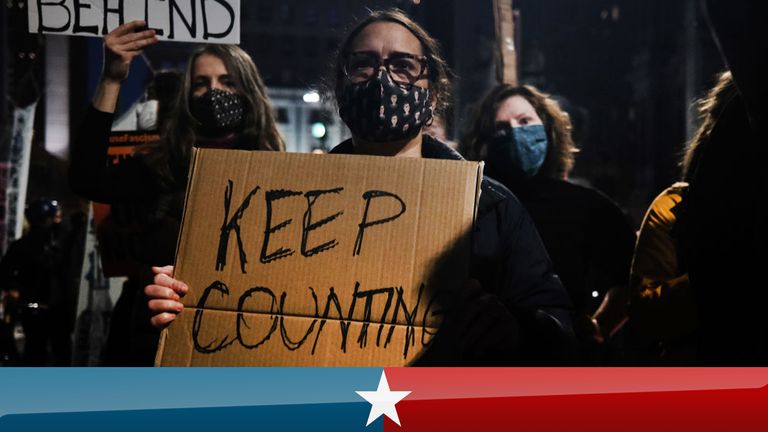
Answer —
318 260
209 21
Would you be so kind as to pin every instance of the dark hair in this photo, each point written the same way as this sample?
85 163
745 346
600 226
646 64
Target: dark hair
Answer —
171 156
710 108
560 153
438 72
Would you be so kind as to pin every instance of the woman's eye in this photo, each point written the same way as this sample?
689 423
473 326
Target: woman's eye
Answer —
360 63
403 65
524 121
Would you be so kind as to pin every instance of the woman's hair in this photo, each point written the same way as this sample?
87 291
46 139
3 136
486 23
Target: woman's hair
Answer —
171 156
560 152
710 108
438 73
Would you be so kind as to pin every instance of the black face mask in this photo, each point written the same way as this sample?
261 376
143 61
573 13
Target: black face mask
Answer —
378 110
219 112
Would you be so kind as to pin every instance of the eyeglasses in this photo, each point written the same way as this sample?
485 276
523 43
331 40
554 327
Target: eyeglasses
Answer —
402 68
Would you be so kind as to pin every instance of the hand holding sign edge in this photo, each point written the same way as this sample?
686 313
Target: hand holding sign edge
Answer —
165 296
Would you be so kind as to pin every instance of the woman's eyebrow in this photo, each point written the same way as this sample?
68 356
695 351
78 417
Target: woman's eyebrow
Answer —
405 54
373 53
391 54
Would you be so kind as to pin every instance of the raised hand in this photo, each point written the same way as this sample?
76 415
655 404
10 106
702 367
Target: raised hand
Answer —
121 45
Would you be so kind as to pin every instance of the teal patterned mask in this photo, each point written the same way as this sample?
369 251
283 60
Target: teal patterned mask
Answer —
522 148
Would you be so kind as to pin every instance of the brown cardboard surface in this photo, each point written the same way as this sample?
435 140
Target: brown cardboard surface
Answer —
312 279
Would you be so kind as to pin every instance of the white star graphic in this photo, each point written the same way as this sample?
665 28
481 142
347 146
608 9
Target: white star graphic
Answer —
383 401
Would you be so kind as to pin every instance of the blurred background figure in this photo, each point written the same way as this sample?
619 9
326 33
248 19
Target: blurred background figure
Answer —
9 310
725 224
35 271
663 306
160 96
524 137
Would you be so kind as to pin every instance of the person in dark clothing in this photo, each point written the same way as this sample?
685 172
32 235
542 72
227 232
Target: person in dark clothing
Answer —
525 140
222 103
9 353
35 271
725 223
663 308
158 101
390 79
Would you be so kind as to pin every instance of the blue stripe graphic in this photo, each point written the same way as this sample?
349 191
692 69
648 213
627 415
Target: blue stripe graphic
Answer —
108 395
315 417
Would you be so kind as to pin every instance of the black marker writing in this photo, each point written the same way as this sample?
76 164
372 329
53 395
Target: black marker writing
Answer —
241 317
229 225
365 223
333 306
79 28
190 24
119 10
312 197
198 321
275 195
44 28
291 345
208 34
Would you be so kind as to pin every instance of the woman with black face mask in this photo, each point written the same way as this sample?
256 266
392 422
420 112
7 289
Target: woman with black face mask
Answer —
390 80
222 103
524 137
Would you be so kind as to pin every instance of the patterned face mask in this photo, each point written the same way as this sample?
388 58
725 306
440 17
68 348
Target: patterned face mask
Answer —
219 112
378 110
521 149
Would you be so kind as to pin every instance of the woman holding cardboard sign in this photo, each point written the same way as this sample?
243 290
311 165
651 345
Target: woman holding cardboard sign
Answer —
222 104
390 80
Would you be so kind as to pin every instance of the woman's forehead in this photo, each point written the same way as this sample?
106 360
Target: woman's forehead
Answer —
209 64
516 105
384 38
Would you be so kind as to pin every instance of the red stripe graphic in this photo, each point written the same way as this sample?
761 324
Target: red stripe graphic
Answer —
623 399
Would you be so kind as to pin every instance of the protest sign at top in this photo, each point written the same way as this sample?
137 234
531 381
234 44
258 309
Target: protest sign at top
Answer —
209 21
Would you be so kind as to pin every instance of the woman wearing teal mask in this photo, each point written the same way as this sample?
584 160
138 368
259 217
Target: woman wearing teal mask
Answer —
524 137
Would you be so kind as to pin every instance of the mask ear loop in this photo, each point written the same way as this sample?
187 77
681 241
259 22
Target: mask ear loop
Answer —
432 105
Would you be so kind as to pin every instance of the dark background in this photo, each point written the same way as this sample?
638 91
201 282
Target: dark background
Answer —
628 72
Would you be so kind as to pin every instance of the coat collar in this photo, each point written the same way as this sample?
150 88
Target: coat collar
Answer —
431 148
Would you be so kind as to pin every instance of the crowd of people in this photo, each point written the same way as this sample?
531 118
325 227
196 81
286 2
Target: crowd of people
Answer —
558 274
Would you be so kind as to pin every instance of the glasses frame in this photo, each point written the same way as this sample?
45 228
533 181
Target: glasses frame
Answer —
386 62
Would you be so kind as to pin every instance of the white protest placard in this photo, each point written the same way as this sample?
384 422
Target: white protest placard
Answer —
209 21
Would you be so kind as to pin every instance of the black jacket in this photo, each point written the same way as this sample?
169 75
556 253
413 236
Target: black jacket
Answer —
146 214
724 226
144 223
510 262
